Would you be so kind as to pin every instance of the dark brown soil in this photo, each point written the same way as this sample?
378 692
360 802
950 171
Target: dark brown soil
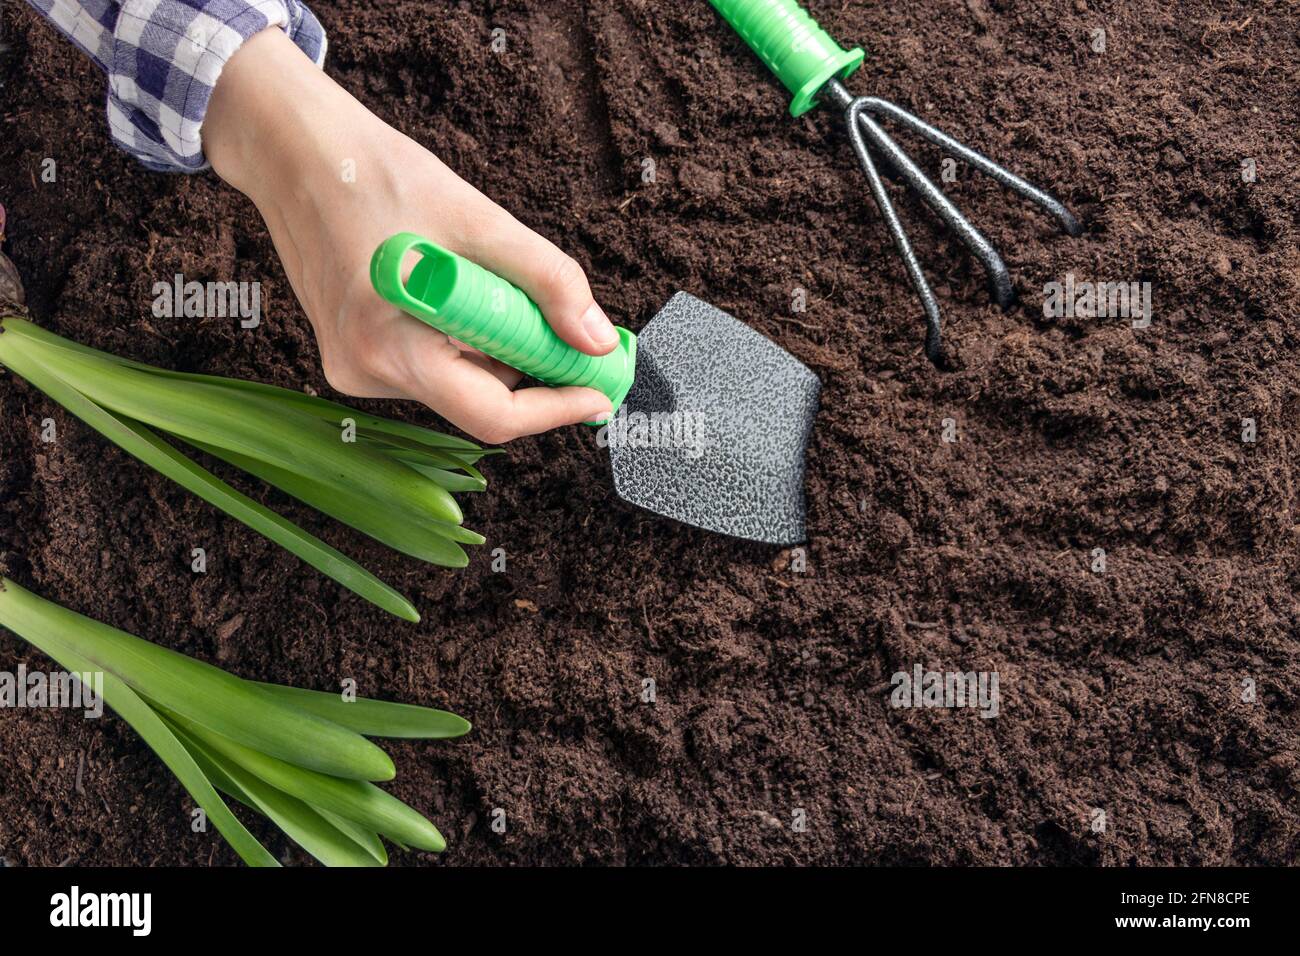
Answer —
1121 691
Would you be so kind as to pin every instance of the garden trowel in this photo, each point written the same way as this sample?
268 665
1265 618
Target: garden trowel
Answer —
710 419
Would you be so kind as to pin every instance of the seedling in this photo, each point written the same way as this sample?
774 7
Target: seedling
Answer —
297 757
394 482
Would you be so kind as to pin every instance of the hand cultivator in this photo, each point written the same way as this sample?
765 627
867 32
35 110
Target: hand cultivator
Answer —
812 65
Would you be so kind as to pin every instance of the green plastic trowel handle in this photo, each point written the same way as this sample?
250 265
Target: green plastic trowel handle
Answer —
479 308
801 54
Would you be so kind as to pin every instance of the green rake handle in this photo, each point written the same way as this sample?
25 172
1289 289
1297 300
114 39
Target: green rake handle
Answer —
801 54
478 307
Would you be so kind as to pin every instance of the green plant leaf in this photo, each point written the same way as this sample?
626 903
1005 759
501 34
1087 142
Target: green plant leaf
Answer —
324 409
356 800
471 480
446 457
374 718
419 536
368 840
141 717
204 694
300 822
248 425
138 441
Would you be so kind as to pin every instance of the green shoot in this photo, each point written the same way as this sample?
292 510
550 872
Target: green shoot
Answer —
297 757
390 480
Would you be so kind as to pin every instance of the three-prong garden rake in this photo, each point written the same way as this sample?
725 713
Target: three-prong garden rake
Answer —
812 66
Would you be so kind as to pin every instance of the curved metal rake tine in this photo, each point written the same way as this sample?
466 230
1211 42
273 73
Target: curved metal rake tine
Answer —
867 136
933 340
974 240
1000 174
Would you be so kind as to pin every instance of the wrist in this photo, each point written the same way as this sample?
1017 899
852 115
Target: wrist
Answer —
271 116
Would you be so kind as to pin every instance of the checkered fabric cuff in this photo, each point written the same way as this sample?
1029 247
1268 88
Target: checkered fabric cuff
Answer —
163 58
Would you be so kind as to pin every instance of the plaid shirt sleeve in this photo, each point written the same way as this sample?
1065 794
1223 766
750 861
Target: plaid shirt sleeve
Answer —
163 58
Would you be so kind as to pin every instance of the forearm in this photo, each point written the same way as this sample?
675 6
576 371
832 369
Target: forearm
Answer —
270 115
298 145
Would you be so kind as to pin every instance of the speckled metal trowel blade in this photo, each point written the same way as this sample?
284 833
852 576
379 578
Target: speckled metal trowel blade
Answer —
714 430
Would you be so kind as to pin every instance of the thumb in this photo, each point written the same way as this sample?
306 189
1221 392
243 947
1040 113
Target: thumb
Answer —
552 279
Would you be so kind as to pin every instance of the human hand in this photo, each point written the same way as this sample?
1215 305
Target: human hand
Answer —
292 161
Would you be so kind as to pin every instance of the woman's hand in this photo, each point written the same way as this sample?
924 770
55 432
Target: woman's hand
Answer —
332 181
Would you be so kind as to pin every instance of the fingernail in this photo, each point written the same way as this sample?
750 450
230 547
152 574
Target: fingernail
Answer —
601 415
597 325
